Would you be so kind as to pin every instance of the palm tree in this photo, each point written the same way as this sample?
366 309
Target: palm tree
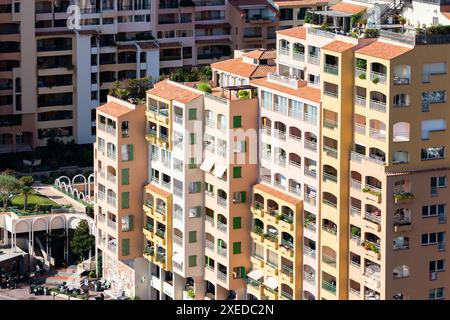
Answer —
26 189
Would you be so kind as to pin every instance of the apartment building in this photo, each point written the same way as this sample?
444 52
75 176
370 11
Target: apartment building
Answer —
246 66
120 158
370 229
293 12
173 200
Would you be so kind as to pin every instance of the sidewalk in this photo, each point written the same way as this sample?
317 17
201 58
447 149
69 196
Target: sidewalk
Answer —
58 196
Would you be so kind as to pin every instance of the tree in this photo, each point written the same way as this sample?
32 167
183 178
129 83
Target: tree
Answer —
26 188
82 240
8 186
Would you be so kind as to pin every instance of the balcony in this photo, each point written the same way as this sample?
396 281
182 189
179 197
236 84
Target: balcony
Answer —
112 201
373 216
222 251
361 73
330 124
221 201
329 68
360 101
330 287
309 251
378 77
330 151
328 259
310 145
377 105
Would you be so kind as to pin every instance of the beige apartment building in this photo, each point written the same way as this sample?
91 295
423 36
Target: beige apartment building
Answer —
69 70
120 158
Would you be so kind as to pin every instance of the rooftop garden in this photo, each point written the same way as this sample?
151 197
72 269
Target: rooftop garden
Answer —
193 74
131 90
18 196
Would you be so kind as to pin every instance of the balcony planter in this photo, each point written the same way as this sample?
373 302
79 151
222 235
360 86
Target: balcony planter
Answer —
377 194
401 197
402 227
376 80
190 294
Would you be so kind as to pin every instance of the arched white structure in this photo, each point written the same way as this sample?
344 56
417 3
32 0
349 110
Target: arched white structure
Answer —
65 184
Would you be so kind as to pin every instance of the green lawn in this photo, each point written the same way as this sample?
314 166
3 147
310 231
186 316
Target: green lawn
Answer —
33 199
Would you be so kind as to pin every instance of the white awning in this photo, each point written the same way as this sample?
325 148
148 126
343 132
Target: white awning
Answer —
178 258
255 274
271 282
219 170
207 165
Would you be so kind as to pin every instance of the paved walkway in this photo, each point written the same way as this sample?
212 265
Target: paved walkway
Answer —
58 196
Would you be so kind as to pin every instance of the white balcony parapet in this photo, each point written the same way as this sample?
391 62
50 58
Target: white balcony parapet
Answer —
290 81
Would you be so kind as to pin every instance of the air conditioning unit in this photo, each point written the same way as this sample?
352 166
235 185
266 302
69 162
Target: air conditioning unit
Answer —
433 275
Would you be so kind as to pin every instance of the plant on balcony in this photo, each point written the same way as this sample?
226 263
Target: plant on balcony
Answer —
131 90
357 18
325 26
371 33
371 246
191 294
376 80
243 94
362 76
402 196
149 251
356 232
204 87
361 64
257 230
368 190
308 17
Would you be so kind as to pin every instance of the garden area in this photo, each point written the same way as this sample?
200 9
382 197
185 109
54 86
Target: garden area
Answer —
17 195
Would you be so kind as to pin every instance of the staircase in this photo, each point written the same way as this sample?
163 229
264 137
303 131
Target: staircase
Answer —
394 9
58 276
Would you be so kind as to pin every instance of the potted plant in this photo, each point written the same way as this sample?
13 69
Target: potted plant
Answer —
402 196
191 294
376 80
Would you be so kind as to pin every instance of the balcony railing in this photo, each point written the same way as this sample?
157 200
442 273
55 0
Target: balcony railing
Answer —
311 145
221 276
112 201
329 68
328 176
221 226
329 123
360 128
377 75
360 101
372 216
222 251
309 251
377 134
221 201
355 184
361 73
354 211
298 56
209 244
330 151
378 105
329 286
330 260
309 277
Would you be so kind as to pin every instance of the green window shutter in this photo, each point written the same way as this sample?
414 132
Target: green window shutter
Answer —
192 236
192 261
237 222
219 242
125 247
125 176
236 247
192 114
192 163
131 152
243 196
237 171
243 274
237 121
192 139
125 200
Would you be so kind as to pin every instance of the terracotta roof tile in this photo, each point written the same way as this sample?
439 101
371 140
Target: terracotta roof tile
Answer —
348 8
298 32
277 194
338 46
305 92
383 50
114 109
168 90
261 54
157 190
238 67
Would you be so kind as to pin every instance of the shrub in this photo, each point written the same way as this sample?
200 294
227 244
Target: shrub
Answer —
402 196
244 94
371 33
191 294
376 80
204 87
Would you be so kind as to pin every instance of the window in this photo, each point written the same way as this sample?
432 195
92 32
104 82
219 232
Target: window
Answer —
436 293
192 236
237 121
192 114
272 258
436 266
401 157
436 183
433 238
236 247
125 247
125 176
192 163
192 138
125 200
432 153
432 126
195 187
239 146
432 69
195 212
237 172
433 210
239 197
127 152
127 223
237 222
192 261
